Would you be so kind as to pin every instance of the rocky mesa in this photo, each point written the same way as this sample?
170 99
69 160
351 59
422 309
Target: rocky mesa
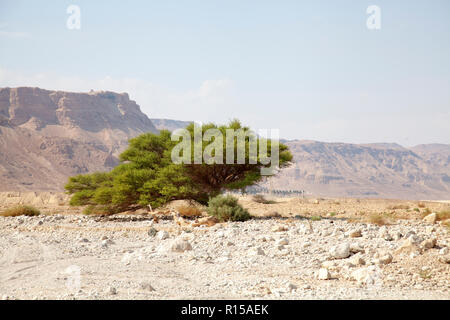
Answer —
46 136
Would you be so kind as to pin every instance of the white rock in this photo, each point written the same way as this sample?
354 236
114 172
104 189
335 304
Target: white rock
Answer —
283 241
162 235
384 258
305 228
356 247
382 231
357 260
340 251
431 218
180 245
106 243
279 228
256 252
428 243
365 276
323 274
443 251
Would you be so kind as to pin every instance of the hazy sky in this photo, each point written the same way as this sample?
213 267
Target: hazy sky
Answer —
309 68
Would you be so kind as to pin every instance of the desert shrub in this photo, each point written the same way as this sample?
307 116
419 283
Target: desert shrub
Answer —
315 218
148 176
20 211
227 208
189 211
259 198
443 215
421 205
399 207
416 209
99 210
377 219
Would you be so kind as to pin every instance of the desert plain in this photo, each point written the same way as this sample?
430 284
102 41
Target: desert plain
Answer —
293 248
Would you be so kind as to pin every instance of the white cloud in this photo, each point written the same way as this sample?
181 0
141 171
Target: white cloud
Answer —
199 103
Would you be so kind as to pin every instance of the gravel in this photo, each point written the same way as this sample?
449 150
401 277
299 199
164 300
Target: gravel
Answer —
82 257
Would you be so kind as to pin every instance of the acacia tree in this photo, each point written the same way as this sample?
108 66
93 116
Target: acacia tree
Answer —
147 173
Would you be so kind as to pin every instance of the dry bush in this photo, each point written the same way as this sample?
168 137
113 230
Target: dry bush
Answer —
189 211
447 224
421 205
377 219
443 215
259 198
20 211
399 207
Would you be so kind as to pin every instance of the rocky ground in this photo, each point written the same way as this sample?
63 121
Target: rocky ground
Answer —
132 257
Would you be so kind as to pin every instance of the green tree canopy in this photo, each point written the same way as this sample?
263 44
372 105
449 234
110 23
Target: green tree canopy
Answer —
147 173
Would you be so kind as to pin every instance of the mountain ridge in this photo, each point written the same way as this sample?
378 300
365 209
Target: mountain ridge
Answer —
47 136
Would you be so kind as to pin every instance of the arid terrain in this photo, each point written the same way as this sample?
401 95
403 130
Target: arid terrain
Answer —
292 249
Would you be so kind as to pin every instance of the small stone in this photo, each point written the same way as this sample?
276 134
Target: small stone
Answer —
279 228
428 243
355 233
408 246
180 245
340 251
445 259
388 237
323 274
162 235
382 231
356 247
291 287
147 286
223 259
106 243
397 236
443 251
384 258
220 234
256 252
364 276
356 260
430 229
431 218
152 232
283 241
111 290
84 240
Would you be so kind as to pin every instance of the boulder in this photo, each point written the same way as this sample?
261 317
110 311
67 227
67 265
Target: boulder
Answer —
340 251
